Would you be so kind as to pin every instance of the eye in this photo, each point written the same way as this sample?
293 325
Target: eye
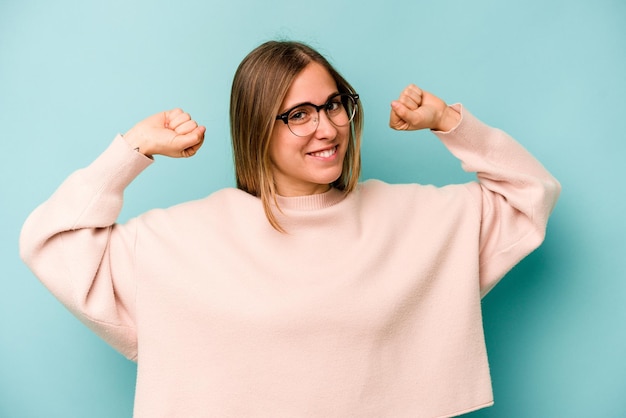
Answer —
300 115
334 105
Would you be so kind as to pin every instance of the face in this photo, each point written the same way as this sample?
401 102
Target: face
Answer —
307 165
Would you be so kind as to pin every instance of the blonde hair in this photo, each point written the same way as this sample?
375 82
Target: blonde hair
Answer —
259 87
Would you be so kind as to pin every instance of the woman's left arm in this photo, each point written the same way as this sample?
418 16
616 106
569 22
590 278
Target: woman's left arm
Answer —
515 193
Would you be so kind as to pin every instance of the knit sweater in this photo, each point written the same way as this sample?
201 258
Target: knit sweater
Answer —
368 306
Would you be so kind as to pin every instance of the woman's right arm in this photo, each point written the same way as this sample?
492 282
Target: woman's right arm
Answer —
71 241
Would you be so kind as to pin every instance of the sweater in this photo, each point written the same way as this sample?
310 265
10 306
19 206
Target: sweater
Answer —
368 306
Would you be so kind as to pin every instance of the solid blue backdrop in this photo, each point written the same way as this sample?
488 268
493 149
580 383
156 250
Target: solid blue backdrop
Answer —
75 73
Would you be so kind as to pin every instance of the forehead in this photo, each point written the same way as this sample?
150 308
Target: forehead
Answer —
314 84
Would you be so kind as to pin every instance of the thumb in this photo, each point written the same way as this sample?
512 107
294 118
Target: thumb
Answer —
401 117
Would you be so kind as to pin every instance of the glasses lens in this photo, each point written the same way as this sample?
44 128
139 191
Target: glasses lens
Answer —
341 109
303 120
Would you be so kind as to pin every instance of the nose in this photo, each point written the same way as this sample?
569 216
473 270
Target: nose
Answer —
325 128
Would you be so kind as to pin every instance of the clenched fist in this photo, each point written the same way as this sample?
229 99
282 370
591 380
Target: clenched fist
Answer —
172 133
417 109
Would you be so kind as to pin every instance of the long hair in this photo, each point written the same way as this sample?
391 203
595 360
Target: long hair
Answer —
259 87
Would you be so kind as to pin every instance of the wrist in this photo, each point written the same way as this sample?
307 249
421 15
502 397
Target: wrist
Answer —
449 119
137 142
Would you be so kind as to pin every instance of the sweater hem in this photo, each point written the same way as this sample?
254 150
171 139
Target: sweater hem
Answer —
468 410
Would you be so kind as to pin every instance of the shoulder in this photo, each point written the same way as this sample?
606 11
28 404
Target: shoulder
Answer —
400 197
218 205
377 189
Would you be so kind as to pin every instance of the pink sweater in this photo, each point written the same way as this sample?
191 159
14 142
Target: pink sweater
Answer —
368 307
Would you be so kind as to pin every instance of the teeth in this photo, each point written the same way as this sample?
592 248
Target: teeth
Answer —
325 154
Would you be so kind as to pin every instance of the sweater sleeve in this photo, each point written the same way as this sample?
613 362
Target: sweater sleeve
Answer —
515 194
72 244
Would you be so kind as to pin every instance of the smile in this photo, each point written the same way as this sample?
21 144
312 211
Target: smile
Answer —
324 153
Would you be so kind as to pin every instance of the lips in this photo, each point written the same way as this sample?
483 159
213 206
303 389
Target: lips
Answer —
324 153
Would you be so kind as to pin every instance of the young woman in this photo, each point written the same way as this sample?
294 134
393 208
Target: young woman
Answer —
301 292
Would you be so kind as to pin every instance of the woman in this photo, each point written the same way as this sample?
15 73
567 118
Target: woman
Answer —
301 292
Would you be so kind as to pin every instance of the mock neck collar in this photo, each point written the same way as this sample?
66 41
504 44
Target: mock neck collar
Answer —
311 202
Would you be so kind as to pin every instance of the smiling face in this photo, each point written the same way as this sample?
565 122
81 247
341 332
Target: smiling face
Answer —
308 165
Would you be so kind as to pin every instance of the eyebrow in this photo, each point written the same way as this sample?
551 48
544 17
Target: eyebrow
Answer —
306 103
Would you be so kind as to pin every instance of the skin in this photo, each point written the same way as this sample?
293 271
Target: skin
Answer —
298 171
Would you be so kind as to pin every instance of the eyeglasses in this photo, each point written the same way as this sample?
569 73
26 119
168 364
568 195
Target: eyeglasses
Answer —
304 118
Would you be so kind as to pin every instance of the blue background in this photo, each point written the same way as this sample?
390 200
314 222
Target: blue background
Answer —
552 74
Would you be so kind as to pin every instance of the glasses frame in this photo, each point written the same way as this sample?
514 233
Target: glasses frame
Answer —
285 116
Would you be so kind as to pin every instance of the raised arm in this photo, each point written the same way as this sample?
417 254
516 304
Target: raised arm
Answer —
71 241
514 195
